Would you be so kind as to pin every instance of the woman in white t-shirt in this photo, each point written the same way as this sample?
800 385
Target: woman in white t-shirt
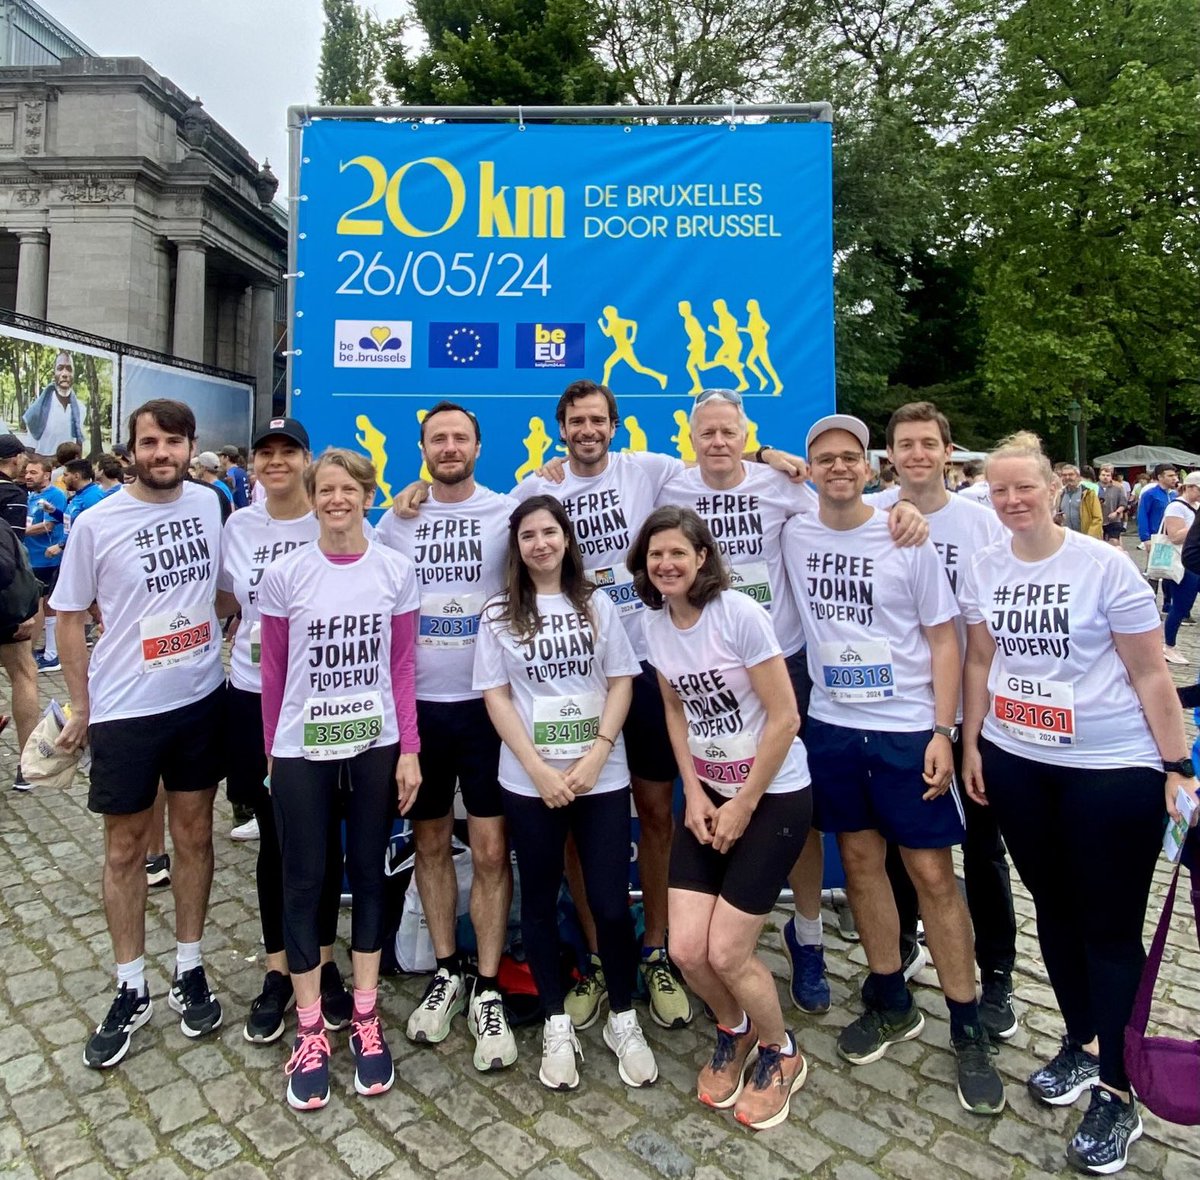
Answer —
1069 722
339 622
1177 519
732 719
250 542
556 670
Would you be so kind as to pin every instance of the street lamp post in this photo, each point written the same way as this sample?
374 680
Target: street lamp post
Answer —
1075 416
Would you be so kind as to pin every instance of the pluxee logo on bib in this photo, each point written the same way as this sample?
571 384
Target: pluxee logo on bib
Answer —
464 346
372 344
550 346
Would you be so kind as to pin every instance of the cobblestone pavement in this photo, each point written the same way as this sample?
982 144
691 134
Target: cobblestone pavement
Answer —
215 1107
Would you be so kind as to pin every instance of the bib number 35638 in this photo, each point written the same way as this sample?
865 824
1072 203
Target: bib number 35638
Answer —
340 727
175 638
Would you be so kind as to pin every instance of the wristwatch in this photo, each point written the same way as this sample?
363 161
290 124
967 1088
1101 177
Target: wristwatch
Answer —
949 731
758 455
1185 767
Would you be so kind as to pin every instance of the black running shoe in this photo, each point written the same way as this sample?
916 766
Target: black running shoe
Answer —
337 1005
1060 1081
373 1069
980 1089
1101 1145
869 1037
995 1007
110 1042
199 1008
158 871
307 1070
268 1010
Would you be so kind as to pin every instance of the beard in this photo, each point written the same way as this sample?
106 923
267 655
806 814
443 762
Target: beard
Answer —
451 478
146 475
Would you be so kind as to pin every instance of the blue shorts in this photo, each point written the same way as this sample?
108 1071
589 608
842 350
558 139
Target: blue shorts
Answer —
870 780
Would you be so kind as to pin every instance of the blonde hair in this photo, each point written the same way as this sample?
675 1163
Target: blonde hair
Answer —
356 466
1023 444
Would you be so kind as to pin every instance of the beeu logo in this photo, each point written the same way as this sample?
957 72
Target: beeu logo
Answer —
550 346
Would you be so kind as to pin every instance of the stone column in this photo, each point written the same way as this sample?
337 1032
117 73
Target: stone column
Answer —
189 300
262 346
33 271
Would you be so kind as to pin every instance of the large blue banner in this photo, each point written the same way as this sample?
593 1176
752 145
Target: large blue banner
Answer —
494 264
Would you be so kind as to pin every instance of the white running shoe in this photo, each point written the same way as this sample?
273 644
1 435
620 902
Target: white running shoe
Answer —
635 1059
559 1046
444 998
1174 655
246 831
495 1045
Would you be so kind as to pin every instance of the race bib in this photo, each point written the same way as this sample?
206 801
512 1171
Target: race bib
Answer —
449 620
723 763
256 643
566 727
617 582
1041 712
177 637
858 670
753 580
340 727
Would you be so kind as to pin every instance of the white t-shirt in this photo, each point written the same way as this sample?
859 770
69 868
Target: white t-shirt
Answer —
459 551
558 682
607 511
708 665
1179 509
153 570
1059 691
58 426
747 523
339 647
980 491
864 602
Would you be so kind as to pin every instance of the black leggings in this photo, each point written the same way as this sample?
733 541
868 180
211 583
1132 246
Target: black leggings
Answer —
600 825
309 800
247 769
1085 843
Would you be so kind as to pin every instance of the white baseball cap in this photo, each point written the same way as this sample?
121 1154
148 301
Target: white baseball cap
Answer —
847 422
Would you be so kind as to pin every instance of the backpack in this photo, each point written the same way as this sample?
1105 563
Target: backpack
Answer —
19 599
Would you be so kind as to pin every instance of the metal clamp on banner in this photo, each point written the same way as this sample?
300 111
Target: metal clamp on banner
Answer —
520 118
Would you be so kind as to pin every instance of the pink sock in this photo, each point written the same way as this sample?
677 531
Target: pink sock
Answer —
309 1016
364 1000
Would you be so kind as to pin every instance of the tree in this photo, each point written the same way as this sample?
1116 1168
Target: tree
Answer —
353 46
1084 169
504 52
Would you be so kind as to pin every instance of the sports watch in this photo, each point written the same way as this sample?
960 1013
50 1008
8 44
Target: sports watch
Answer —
1185 767
949 731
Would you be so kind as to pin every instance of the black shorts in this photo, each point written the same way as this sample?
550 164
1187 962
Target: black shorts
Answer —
1114 529
185 747
751 875
459 747
647 744
47 576
244 747
10 636
801 678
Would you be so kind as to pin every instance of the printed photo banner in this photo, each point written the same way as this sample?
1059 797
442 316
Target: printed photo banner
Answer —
494 264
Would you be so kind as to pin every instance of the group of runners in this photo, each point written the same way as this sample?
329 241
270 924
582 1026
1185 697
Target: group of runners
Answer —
910 672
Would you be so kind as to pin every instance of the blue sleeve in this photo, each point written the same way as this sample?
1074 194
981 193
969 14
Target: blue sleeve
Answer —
241 497
1144 516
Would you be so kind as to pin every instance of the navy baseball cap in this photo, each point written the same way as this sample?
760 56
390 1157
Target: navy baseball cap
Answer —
288 428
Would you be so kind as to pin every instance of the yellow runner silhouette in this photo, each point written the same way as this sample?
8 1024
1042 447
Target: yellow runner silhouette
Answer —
537 443
623 334
759 360
729 354
683 440
373 442
637 436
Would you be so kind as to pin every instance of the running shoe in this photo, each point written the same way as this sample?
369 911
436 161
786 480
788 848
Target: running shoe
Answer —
669 1003
766 1097
558 1070
587 997
374 1072
980 1089
47 663
495 1045
307 1070
246 831
21 783
721 1080
1061 1080
158 871
635 1059
1173 656
915 957
444 998
1101 1145
269 1008
110 1042
199 1009
809 985
995 1008
869 1037
337 1005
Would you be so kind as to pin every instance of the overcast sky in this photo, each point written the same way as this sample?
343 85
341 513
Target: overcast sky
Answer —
248 60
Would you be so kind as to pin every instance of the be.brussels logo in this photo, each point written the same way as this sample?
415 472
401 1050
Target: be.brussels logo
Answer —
464 346
372 344
550 346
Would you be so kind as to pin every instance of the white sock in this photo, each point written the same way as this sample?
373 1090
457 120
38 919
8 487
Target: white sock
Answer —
133 973
742 1026
51 642
187 957
809 931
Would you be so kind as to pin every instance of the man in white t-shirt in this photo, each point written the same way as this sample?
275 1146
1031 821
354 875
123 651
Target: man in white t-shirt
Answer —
918 442
151 705
886 668
458 544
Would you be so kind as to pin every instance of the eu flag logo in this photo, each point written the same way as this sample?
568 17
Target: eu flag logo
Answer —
464 346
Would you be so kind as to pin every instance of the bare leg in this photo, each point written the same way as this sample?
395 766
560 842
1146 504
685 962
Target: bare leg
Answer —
156 841
125 883
653 803
947 922
691 931
190 815
732 939
491 890
871 898
807 876
433 868
17 661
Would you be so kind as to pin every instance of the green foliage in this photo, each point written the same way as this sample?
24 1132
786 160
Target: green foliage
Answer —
504 52
353 46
